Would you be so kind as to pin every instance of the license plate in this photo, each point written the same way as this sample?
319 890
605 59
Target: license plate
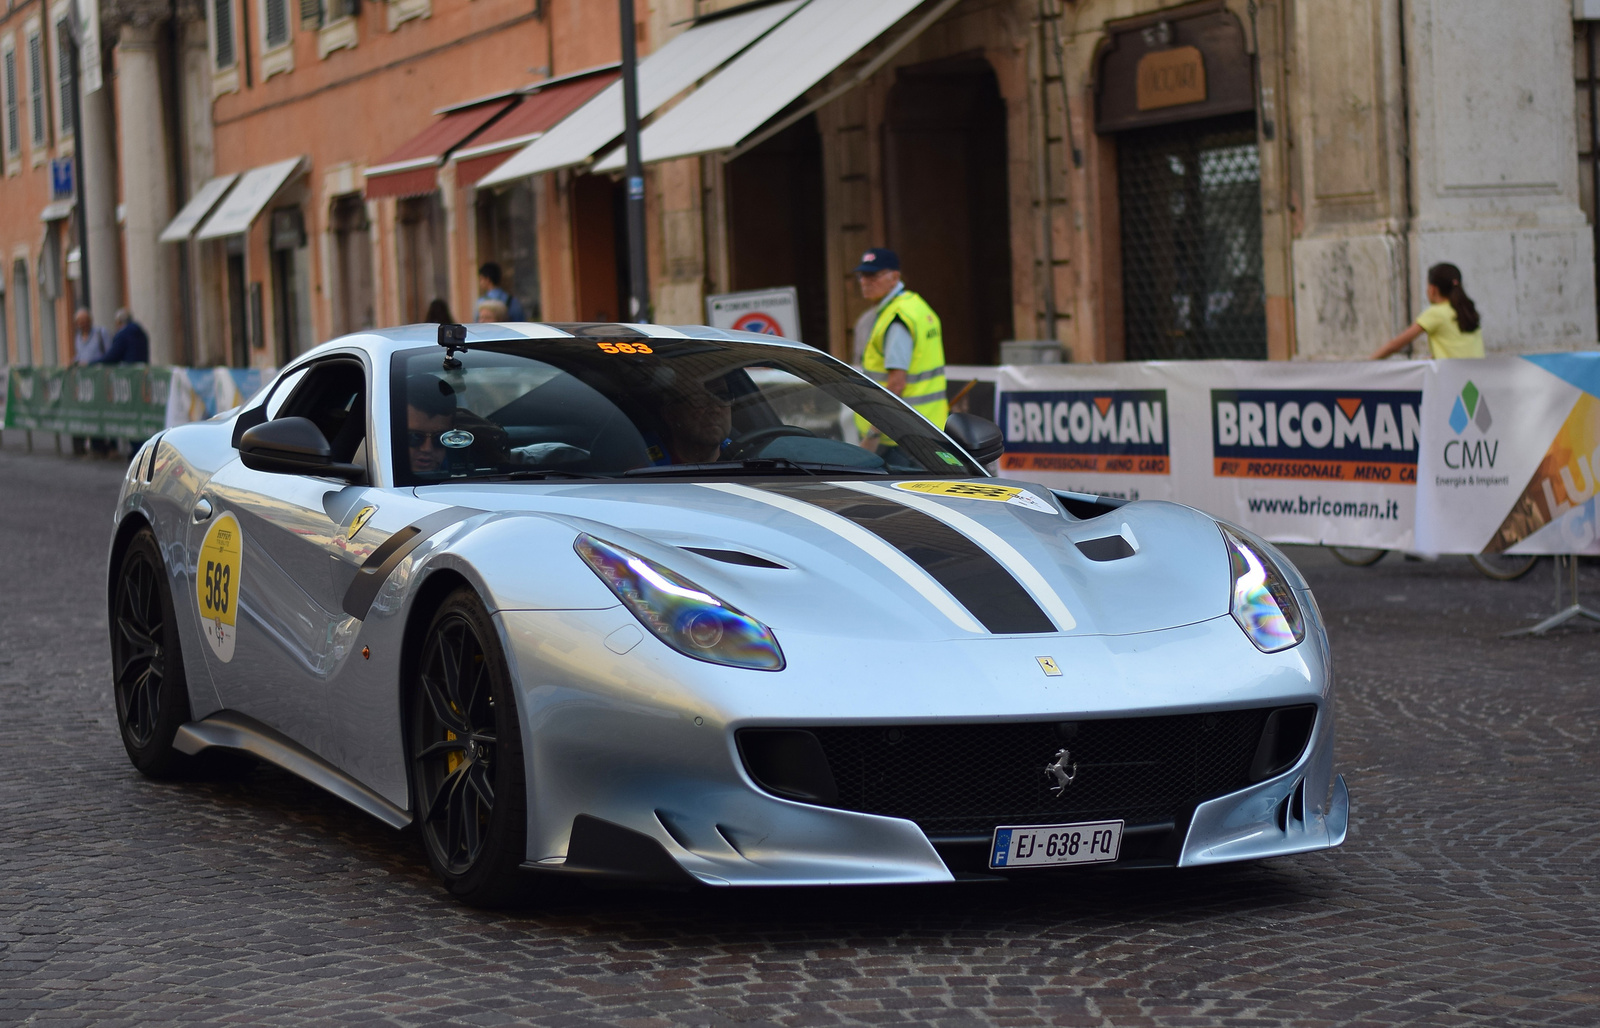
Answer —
1091 842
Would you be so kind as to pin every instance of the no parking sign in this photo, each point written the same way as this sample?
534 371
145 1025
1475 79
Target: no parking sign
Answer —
773 312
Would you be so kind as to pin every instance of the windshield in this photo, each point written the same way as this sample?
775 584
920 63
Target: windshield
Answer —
644 409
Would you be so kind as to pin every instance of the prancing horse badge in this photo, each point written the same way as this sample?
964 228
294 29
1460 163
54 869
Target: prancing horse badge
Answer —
1049 667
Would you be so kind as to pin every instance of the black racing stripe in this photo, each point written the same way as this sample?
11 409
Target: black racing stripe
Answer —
375 570
977 581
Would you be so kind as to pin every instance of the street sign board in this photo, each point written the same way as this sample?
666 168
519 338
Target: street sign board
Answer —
774 312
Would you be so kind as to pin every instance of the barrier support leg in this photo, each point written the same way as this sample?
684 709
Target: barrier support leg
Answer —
1571 612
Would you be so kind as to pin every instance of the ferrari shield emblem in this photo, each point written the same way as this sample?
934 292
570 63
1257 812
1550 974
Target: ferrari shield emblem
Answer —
1049 667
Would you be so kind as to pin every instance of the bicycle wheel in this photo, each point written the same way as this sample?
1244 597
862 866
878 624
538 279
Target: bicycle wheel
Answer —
1357 556
1503 567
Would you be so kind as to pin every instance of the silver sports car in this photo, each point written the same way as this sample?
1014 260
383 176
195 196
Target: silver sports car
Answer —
682 605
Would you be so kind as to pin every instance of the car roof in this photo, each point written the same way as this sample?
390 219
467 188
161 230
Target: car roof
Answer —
384 341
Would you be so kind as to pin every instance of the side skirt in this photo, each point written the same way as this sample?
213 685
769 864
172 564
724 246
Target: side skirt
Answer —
230 730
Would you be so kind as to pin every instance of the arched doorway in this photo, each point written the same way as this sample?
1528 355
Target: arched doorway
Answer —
947 203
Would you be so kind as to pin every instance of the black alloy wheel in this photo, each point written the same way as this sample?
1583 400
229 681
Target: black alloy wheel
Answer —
152 695
466 755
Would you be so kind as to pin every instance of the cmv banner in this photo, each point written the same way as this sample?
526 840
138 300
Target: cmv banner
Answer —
1510 457
1303 453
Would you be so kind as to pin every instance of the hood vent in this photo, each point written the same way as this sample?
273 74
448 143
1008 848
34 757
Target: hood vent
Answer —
748 560
1111 547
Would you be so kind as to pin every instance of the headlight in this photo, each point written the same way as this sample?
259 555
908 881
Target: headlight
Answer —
1263 604
680 613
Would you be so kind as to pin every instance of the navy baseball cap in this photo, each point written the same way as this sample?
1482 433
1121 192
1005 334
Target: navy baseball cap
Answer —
878 259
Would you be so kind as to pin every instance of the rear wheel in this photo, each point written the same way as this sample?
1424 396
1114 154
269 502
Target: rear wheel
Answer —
1503 567
466 756
151 693
1357 556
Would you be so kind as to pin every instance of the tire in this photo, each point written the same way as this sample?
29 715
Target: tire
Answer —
465 745
1503 567
1357 556
152 694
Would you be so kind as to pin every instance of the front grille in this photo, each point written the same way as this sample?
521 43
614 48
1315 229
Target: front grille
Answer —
966 779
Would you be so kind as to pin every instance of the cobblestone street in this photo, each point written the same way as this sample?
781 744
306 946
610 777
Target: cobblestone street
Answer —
1468 892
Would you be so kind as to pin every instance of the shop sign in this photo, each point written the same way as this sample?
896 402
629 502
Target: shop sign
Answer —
61 178
1168 78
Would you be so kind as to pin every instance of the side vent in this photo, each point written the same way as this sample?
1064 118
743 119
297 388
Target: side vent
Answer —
789 763
1283 739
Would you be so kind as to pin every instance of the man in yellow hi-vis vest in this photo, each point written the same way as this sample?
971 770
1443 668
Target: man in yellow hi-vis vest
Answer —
905 348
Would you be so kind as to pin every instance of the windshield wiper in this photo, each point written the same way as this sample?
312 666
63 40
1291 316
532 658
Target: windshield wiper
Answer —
760 465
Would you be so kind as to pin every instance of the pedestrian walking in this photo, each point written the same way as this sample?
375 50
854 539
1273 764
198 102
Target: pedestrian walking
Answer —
1451 320
89 344
130 344
489 285
905 347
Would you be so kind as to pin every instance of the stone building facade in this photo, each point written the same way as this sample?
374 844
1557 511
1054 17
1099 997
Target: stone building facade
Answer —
1133 179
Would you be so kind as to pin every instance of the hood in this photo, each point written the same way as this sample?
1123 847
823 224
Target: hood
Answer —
932 559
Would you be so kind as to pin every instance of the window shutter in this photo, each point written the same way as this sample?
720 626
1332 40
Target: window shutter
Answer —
13 125
223 26
64 81
277 22
311 14
36 87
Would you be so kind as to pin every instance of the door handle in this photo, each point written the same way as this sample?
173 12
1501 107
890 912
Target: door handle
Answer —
202 510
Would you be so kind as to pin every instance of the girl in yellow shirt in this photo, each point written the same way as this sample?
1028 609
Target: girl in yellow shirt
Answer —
1451 321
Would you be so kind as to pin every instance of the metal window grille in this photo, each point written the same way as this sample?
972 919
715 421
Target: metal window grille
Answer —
277 22
1191 241
64 83
12 114
36 87
222 21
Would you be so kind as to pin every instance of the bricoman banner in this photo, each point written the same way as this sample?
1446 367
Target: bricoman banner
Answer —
1511 455
1312 453
1102 428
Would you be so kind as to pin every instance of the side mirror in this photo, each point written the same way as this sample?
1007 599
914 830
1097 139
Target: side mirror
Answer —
978 436
293 446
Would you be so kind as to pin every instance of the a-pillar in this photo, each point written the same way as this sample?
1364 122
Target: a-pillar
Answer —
146 188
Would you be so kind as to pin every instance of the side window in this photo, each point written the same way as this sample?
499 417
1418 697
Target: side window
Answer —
333 396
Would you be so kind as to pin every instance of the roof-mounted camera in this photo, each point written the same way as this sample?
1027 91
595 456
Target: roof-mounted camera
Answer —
452 338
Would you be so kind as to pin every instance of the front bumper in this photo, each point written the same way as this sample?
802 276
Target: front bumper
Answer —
644 740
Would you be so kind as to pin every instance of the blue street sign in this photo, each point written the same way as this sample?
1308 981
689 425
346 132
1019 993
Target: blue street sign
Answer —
61 178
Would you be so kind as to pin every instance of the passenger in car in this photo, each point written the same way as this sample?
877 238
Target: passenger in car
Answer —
697 419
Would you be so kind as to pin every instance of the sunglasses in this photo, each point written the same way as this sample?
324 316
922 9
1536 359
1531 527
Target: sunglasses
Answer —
416 438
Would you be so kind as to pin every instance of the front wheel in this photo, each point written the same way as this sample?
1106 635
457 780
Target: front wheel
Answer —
1503 567
147 664
466 755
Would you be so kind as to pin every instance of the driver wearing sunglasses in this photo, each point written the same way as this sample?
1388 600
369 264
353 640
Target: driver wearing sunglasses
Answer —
432 414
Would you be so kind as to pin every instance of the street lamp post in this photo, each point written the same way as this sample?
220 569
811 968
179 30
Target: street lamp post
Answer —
638 265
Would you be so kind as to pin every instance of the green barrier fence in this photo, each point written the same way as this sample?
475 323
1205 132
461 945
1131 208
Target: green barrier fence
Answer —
109 401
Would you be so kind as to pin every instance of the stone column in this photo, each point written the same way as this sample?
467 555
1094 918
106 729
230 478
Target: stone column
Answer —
146 185
1495 173
100 206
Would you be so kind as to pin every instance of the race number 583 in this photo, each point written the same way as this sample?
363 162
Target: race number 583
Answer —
216 583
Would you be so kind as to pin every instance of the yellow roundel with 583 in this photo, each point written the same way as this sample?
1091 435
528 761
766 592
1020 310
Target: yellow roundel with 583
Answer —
216 583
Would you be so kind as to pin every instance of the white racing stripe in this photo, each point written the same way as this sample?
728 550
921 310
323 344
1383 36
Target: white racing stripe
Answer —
985 539
887 555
